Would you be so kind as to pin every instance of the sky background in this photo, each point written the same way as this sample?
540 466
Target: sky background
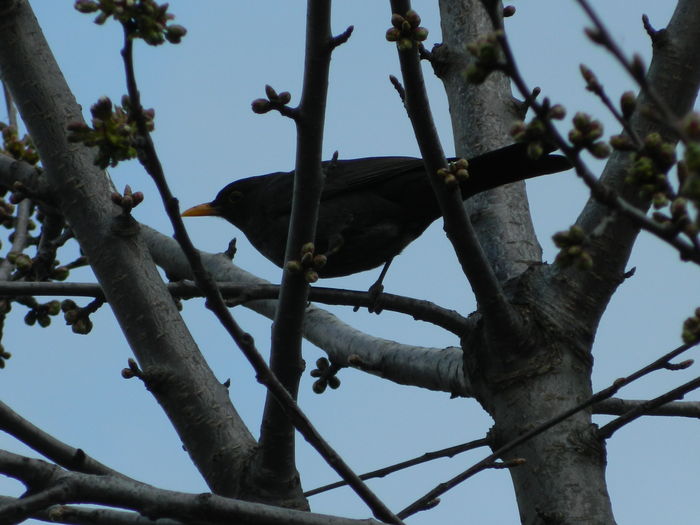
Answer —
207 136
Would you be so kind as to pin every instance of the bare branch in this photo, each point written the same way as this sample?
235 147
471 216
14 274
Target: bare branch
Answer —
616 407
59 486
658 364
428 456
48 446
606 431
498 312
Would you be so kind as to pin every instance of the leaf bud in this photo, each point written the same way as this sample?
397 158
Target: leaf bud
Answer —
628 103
420 34
270 92
393 34
260 106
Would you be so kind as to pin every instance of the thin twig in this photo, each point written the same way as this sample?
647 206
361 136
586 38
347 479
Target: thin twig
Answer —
659 364
419 309
498 312
428 456
602 193
606 431
48 446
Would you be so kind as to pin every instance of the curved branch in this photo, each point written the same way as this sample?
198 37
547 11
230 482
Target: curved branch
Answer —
431 368
48 446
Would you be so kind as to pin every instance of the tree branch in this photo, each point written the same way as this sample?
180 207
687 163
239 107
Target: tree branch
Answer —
276 458
61 486
499 315
83 516
616 407
169 357
48 446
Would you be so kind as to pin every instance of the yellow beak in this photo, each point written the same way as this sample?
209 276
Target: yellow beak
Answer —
200 211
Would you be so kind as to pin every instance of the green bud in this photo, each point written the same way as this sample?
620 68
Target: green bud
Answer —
420 34
628 103
557 112
293 266
397 20
405 44
174 33
53 307
413 18
393 34
622 143
600 150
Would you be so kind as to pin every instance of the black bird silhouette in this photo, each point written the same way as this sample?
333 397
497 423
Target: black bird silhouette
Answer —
371 208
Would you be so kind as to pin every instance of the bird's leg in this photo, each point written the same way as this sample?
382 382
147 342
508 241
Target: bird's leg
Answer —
375 291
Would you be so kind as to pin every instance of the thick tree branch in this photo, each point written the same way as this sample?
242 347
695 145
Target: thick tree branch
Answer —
53 485
170 358
82 516
482 116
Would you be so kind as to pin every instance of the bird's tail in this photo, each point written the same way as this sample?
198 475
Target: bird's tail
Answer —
509 164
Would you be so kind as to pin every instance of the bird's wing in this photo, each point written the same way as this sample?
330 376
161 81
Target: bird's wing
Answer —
364 174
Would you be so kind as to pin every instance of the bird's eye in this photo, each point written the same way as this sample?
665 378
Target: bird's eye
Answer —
235 196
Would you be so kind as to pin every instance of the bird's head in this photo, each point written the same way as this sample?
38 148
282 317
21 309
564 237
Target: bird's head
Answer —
233 202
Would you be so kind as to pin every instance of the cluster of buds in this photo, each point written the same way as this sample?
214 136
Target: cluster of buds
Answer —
7 218
326 373
144 19
679 219
113 132
649 170
274 100
454 173
40 313
406 30
20 149
571 244
689 169
25 267
132 371
691 328
77 318
534 133
585 135
309 264
487 52
128 200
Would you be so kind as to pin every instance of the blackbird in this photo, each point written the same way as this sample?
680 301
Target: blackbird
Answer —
371 208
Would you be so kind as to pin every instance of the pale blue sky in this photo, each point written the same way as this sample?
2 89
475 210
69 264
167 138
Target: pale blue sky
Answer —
207 136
